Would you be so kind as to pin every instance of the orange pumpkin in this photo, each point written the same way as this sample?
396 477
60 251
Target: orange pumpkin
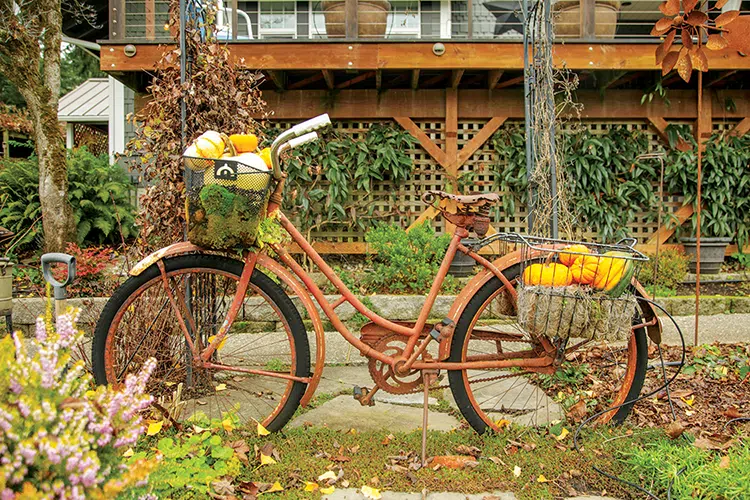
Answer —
244 143
570 254
547 275
583 270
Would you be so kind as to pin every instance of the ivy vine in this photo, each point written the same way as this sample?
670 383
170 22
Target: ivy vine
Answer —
330 181
608 185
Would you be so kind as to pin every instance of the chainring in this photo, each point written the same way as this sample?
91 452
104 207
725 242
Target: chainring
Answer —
382 374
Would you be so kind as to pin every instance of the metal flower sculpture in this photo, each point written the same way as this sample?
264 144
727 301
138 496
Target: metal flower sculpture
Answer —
691 22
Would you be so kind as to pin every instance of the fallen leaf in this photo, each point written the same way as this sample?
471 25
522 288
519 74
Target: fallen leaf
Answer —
375 481
689 401
577 412
227 424
223 487
496 460
341 458
354 449
262 431
462 449
327 491
154 428
517 471
311 486
352 431
274 488
241 449
563 434
454 461
221 387
713 442
502 423
724 462
674 430
370 492
732 412
327 475
266 459
541 479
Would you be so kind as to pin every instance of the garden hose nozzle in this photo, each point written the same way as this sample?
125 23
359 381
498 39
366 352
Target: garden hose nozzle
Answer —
61 293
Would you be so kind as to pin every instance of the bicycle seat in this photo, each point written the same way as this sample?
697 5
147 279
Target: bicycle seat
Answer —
429 197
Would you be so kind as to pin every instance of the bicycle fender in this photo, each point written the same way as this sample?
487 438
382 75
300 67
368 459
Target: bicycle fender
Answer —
169 251
312 312
511 259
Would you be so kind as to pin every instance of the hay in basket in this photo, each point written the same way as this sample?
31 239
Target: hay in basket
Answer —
575 312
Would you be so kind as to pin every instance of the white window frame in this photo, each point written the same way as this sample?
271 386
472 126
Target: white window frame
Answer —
276 32
395 29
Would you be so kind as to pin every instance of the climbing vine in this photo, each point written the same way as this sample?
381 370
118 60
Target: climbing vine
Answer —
608 185
330 181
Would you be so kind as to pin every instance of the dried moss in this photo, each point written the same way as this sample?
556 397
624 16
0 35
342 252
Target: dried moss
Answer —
575 312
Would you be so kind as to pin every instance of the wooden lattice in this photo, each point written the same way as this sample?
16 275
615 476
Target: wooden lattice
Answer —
95 139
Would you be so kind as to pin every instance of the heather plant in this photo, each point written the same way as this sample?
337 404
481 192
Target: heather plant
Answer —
60 437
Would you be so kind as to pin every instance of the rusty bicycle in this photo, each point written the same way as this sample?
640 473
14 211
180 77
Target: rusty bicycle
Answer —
235 335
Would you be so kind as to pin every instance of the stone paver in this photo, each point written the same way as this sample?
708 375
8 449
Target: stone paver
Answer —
355 494
344 413
729 328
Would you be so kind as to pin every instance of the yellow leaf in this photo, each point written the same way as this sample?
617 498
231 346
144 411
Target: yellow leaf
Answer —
517 471
311 486
275 487
128 453
502 423
154 428
328 491
221 344
370 492
541 479
327 475
262 431
353 431
689 401
221 387
266 460
563 434
227 424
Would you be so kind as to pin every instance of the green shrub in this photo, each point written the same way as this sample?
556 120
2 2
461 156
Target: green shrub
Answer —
665 273
406 262
98 193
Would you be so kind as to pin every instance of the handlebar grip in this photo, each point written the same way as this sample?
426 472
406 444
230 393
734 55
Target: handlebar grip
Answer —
303 139
311 125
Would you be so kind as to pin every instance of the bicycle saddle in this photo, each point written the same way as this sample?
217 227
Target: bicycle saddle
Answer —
481 199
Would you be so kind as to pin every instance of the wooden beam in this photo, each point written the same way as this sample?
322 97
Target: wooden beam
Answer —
378 79
410 55
510 83
479 139
330 81
456 76
663 233
660 127
723 76
623 78
482 105
355 80
451 128
588 19
493 77
430 213
432 81
305 81
742 127
414 79
278 78
427 143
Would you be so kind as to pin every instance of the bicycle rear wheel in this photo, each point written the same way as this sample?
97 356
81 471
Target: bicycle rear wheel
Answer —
139 322
488 327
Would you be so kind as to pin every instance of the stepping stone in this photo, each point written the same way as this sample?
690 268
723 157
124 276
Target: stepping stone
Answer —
355 494
344 413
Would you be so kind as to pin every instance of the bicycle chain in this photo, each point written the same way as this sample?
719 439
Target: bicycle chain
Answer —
486 379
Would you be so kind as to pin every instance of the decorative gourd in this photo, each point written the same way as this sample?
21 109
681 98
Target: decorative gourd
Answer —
265 153
209 145
569 255
547 275
583 270
244 143
614 268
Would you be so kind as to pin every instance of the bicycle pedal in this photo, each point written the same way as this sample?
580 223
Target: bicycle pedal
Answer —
360 394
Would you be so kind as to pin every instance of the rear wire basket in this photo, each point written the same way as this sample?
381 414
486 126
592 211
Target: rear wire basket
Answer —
225 202
586 294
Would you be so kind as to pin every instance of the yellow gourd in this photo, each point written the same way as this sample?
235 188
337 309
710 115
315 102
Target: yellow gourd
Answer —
265 153
583 270
567 258
209 145
244 143
547 275
613 266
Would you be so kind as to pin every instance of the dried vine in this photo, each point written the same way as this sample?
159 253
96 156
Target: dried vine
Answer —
218 96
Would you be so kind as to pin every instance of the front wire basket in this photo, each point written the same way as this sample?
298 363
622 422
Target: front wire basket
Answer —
573 289
225 202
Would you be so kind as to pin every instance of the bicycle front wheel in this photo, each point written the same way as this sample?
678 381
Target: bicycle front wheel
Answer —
140 322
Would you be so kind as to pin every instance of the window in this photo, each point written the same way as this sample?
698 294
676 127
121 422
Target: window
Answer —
404 19
278 19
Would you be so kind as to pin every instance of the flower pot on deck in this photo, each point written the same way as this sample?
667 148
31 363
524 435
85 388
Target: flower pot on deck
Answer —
567 18
712 253
372 17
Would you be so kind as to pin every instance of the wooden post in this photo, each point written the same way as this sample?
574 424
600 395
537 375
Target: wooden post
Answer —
234 20
451 135
352 21
150 19
588 19
116 19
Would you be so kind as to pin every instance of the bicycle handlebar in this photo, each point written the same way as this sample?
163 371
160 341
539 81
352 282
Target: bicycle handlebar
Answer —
302 133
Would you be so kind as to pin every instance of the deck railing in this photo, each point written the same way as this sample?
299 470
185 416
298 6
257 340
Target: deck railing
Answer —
603 21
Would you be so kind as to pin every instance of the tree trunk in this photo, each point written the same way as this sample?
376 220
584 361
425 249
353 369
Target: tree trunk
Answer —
36 74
